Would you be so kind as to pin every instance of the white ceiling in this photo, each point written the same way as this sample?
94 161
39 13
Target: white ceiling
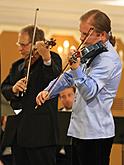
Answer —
58 13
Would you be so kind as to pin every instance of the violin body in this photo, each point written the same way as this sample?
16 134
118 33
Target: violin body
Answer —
92 51
88 53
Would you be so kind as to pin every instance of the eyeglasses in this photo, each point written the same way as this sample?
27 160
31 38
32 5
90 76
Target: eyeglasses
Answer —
22 44
84 33
87 33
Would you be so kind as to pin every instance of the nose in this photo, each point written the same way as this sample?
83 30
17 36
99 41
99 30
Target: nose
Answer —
20 47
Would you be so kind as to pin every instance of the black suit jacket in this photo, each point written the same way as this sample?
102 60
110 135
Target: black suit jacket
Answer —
34 127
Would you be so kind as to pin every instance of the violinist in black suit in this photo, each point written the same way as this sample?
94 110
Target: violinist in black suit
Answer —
36 129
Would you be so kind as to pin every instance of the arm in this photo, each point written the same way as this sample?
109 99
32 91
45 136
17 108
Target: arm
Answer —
51 61
13 83
54 68
6 88
88 84
55 86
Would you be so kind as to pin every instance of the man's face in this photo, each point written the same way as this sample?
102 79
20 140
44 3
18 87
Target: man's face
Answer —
24 44
67 98
93 38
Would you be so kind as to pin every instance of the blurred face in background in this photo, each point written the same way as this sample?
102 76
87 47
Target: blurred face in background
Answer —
67 97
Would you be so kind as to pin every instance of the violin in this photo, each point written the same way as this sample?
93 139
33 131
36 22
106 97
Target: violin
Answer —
88 53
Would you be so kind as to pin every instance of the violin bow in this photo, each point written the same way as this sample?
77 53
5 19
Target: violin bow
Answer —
31 48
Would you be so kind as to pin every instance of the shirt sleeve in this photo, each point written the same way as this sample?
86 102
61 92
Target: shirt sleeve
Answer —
60 83
89 84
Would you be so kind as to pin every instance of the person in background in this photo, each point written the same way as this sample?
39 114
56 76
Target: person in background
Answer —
97 79
64 152
67 97
36 130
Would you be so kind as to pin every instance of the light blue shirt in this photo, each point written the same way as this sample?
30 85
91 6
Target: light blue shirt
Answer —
96 88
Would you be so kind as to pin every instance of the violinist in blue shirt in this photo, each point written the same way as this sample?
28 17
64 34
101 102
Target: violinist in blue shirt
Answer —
91 125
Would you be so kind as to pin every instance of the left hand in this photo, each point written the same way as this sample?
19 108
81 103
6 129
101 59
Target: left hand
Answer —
76 64
43 51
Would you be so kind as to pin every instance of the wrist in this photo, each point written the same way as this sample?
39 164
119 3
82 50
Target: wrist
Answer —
48 63
46 57
74 67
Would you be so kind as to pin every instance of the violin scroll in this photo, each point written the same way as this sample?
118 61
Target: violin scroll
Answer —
50 43
92 51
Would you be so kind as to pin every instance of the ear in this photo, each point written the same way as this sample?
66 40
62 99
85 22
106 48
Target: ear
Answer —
103 36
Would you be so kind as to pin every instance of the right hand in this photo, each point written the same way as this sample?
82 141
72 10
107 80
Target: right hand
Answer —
42 97
20 86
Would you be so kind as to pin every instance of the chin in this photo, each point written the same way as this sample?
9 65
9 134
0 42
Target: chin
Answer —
24 56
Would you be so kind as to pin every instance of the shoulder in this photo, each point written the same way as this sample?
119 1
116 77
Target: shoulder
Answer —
105 58
55 55
106 63
18 62
56 59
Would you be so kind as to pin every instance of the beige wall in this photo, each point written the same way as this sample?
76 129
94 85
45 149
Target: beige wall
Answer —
8 51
